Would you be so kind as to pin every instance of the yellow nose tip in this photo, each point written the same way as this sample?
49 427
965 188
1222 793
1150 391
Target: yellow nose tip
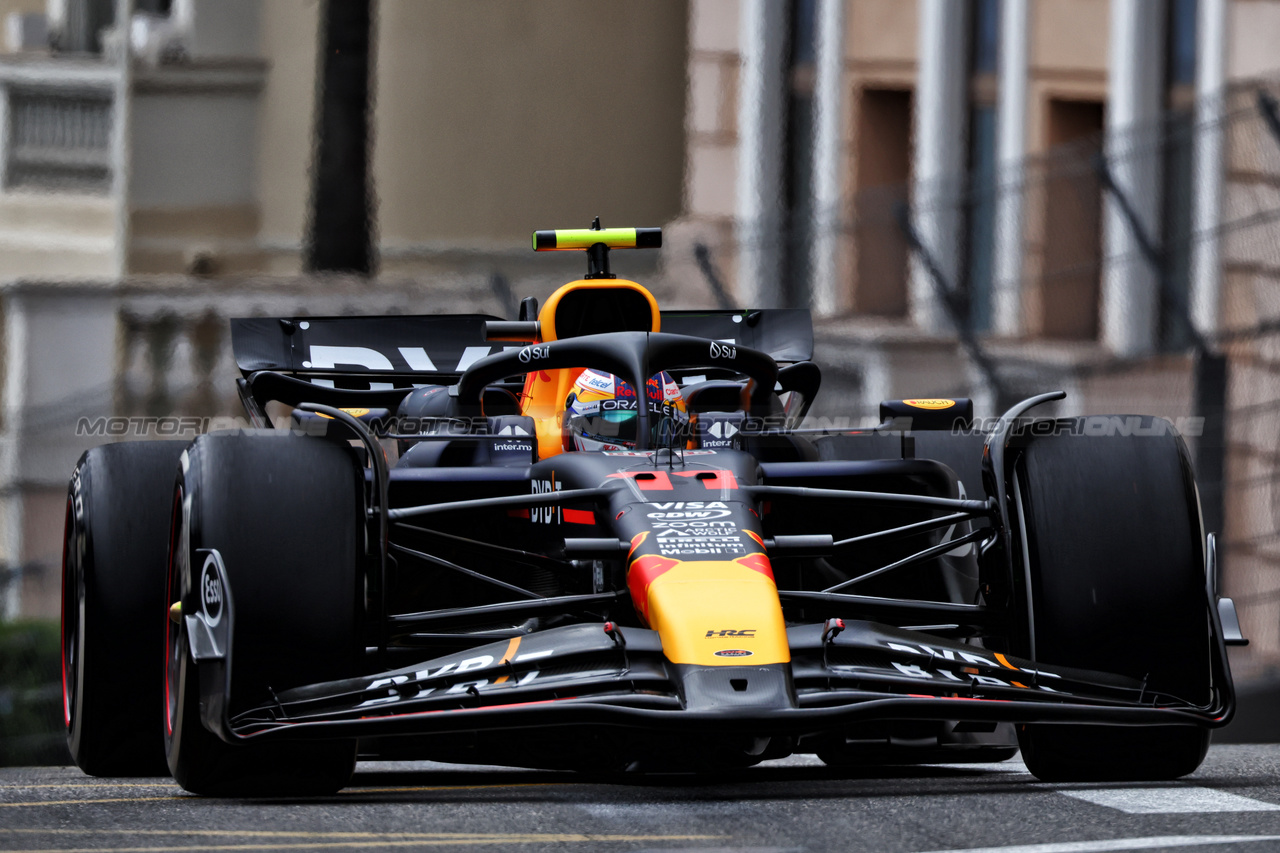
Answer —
175 612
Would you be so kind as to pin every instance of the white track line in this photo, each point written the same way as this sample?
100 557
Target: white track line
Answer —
1178 800
1113 844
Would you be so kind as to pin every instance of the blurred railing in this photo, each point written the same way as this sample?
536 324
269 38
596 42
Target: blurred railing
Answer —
59 140
57 123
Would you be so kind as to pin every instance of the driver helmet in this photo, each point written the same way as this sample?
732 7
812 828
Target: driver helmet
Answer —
600 413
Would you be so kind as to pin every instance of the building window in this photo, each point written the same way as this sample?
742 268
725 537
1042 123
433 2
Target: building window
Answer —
1179 163
798 157
1182 42
982 215
980 209
1071 221
882 174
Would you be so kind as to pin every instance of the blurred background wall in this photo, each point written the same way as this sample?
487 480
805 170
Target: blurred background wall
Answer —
975 197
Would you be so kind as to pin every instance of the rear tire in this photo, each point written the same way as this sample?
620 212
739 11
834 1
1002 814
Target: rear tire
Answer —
1116 561
285 513
113 568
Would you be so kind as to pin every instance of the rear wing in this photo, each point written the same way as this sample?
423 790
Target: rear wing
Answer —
421 349
431 347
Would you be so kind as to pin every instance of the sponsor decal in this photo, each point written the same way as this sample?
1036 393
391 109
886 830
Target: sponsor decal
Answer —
356 413
545 514
534 353
938 658
733 653
693 519
725 351
722 430
698 524
729 632
930 404
514 445
411 686
597 381
693 513
211 594
698 538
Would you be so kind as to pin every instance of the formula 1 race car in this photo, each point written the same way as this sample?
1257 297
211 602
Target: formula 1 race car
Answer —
420 563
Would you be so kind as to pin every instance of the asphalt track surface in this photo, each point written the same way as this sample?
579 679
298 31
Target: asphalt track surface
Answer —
1231 803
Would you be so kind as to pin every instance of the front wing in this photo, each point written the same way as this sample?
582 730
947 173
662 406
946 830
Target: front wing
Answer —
841 674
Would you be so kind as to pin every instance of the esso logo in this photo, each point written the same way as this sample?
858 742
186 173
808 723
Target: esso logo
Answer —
211 595
727 351
733 653
534 353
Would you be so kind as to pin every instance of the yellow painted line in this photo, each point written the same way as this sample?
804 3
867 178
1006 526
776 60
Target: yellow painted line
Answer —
95 801
394 790
367 843
410 788
359 836
348 790
168 784
259 833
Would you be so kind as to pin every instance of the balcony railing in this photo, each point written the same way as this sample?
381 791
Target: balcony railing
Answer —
59 140
56 117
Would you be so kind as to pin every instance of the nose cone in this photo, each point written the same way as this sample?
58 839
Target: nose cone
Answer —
714 612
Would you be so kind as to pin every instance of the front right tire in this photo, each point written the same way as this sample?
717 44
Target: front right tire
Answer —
1116 562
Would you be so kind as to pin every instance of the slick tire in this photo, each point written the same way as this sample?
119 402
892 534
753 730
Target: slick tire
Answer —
115 550
285 514
1117 582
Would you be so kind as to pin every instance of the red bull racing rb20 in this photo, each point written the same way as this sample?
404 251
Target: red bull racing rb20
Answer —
474 541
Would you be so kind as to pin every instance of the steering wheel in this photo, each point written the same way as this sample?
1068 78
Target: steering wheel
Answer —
634 356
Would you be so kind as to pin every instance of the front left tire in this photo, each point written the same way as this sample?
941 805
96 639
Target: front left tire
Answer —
115 551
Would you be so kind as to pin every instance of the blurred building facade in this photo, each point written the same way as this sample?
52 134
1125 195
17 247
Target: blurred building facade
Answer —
1085 189
805 118
143 202
195 156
